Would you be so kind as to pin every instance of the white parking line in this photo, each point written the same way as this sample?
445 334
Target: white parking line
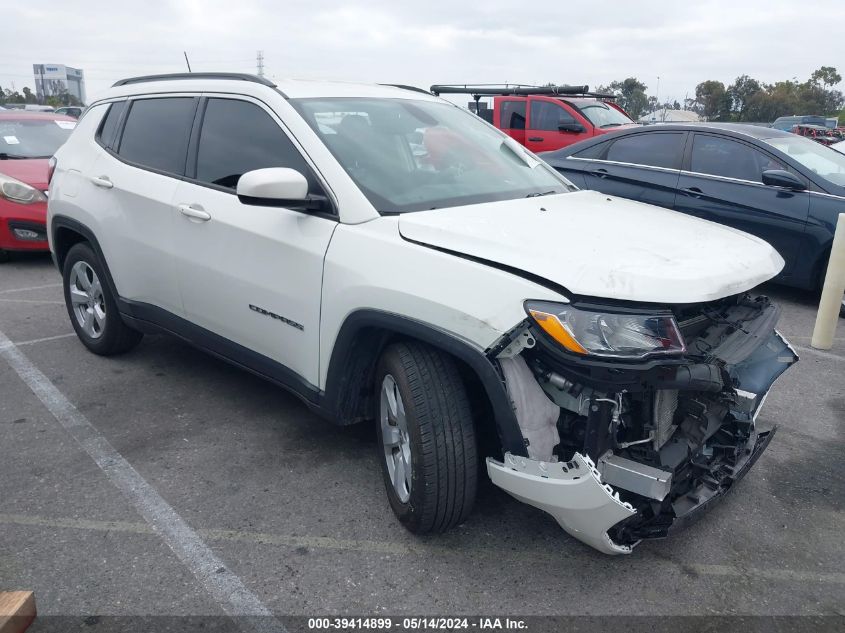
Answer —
31 301
46 339
225 587
3 292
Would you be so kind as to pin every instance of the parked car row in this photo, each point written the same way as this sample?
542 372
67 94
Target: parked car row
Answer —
71 111
391 258
27 142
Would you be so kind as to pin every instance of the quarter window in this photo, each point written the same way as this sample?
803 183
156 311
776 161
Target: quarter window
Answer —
548 115
156 133
237 137
655 150
108 128
719 156
513 115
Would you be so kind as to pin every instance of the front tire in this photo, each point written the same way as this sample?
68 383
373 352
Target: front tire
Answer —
92 307
427 447
4 256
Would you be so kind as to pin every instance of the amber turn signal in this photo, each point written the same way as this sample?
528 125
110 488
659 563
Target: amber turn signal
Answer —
553 327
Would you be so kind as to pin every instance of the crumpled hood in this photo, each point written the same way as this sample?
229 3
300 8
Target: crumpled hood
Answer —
600 246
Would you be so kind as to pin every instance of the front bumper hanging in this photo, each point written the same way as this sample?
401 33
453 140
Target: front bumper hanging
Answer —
571 492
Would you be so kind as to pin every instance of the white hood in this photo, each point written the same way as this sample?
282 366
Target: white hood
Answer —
601 246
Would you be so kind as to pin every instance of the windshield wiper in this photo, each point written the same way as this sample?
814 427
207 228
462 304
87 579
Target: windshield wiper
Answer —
611 125
5 156
541 193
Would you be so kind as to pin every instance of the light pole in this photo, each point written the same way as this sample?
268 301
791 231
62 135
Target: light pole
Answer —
657 94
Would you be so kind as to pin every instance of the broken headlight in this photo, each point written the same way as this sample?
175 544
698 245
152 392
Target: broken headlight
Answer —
607 334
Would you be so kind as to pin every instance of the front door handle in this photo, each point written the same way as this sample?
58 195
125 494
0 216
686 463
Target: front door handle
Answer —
195 212
601 172
102 181
535 139
695 192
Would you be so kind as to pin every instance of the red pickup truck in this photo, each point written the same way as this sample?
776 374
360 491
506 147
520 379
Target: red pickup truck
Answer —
545 118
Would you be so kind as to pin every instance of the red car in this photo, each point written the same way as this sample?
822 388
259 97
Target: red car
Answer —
545 118
27 141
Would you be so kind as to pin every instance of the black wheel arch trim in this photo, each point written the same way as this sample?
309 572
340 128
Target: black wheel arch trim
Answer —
64 222
338 377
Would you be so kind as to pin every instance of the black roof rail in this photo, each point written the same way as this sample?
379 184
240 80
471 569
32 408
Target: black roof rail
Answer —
175 76
406 87
496 90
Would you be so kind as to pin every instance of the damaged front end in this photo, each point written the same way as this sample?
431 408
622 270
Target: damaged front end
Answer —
635 420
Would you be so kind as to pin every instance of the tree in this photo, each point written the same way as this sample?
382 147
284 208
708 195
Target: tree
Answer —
11 96
741 92
714 99
826 76
28 96
630 94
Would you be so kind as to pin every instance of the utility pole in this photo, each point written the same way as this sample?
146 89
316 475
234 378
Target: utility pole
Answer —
260 61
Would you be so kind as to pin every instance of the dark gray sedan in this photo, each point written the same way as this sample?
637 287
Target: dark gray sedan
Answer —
781 187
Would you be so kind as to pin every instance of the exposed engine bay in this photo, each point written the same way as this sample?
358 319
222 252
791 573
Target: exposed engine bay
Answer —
663 438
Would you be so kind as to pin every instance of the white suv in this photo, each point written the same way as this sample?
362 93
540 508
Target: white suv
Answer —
390 257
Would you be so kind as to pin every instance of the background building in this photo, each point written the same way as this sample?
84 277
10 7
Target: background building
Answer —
54 80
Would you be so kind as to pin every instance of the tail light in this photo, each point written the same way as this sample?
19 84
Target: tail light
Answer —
51 167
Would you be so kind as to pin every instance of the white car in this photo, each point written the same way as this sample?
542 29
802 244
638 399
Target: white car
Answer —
391 258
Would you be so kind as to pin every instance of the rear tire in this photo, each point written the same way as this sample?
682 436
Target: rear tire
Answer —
426 428
92 307
4 256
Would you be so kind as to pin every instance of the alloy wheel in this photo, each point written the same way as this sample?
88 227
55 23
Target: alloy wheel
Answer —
395 438
86 297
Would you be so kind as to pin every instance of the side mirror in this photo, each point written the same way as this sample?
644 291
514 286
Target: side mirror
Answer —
571 127
784 179
278 187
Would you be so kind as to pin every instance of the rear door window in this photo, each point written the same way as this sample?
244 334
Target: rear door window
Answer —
661 149
513 115
237 137
594 151
156 133
719 156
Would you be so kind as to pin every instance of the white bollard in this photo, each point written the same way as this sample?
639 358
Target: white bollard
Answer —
834 288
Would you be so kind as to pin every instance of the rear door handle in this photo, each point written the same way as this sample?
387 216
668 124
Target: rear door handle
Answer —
601 172
535 139
194 212
695 192
102 181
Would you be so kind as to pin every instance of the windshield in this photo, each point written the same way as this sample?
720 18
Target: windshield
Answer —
821 160
32 138
601 114
409 155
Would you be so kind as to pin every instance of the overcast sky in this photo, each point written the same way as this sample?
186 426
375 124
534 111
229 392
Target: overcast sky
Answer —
428 41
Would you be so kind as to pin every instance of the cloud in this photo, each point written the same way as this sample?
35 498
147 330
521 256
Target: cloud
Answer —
423 43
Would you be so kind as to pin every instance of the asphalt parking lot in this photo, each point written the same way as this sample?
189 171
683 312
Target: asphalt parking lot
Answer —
294 507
